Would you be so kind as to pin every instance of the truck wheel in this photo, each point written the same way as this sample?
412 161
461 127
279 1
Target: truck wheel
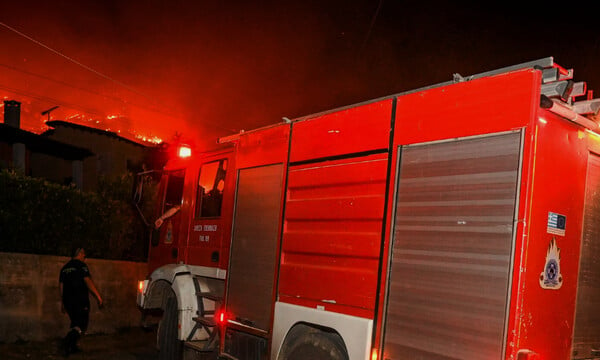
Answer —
305 342
169 346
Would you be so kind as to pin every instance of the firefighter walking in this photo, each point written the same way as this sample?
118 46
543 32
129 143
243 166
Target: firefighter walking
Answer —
75 282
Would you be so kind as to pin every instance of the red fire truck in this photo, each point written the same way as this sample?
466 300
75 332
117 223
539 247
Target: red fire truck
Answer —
454 221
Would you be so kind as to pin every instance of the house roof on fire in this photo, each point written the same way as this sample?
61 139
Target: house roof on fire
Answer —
57 123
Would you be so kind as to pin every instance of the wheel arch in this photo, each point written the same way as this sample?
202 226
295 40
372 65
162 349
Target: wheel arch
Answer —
160 281
178 279
303 328
355 332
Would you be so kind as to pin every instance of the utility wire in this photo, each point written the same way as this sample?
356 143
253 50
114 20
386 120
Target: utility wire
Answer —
114 98
75 61
81 64
49 100
59 82
372 25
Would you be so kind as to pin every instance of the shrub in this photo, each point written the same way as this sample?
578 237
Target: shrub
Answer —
40 217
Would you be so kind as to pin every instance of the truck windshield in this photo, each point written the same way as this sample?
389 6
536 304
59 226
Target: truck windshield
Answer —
211 183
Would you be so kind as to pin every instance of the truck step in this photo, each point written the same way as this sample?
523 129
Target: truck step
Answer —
210 322
210 296
199 350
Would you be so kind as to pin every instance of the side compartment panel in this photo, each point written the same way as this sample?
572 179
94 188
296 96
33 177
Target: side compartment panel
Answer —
353 130
332 232
483 106
452 248
586 337
254 245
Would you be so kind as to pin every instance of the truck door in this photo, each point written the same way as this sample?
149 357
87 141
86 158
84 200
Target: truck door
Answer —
207 225
253 249
452 252
164 249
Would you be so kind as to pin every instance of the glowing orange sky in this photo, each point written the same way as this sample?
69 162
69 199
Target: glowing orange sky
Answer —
207 69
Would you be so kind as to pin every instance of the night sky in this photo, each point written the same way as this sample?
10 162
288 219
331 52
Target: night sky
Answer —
205 69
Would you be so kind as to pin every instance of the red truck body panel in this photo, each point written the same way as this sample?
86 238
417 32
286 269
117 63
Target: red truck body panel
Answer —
334 209
488 105
458 111
559 154
332 231
354 130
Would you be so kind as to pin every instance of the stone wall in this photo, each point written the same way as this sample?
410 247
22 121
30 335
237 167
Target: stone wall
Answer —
30 300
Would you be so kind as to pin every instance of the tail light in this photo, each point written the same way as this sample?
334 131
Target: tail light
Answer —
141 286
220 318
374 354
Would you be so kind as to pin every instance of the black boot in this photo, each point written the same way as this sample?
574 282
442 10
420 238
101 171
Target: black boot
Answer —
70 343
65 345
74 348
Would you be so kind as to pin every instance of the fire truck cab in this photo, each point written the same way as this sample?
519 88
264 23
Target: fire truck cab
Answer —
189 250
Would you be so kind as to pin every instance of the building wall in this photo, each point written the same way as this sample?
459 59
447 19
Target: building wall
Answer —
5 155
49 167
30 301
112 154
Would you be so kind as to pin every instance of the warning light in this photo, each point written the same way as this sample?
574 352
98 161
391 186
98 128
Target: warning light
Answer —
184 151
374 354
220 318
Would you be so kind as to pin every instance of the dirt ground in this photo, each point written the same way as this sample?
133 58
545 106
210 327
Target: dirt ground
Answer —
127 344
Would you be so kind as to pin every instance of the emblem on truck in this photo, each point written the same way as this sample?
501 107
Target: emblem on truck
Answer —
551 278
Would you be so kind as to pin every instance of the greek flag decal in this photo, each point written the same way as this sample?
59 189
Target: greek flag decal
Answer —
556 224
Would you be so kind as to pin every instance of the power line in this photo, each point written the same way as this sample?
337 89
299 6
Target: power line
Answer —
75 61
114 98
372 24
87 68
57 81
49 100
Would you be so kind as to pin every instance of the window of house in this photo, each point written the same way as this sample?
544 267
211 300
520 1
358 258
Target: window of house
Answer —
211 183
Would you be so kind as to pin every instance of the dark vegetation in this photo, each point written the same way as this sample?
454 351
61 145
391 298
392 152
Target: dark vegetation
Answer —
40 217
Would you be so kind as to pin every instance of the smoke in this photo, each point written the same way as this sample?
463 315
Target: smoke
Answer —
205 69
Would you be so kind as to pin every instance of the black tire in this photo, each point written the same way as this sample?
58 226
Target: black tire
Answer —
306 342
169 346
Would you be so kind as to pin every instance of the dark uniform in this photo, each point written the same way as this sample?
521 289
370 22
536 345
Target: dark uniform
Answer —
75 299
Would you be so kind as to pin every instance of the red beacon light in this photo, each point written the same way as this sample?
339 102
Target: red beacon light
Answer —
184 151
220 317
